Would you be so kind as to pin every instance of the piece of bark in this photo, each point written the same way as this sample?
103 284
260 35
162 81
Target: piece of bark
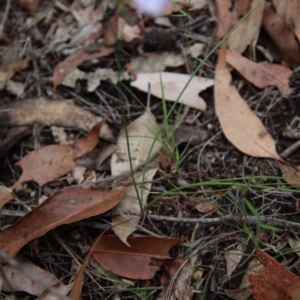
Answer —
46 112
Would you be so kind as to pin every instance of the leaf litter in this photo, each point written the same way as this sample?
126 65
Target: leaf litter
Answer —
91 57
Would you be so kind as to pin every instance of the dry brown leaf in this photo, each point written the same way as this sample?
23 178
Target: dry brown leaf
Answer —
20 282
30 5
76 59
12 68
205 207
64 207
172 85
225 17
48 112
135 262
130 206
271 282
239 124
143 137
247 32
50 162
261 74
289 10
291 174
282 36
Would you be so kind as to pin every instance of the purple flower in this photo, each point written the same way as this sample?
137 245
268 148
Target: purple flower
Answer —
150 7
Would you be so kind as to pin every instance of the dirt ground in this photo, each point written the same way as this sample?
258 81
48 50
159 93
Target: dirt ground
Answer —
206 192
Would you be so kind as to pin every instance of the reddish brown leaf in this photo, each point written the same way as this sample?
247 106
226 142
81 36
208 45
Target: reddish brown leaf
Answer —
293 290
272 281
240 125
30 5
76 59
50 162
261 74
283 38
64 207
135 262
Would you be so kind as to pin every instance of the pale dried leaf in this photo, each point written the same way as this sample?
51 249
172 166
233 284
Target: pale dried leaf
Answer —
143 141
20 282
130 206
172 85
261 74
247 32
239 124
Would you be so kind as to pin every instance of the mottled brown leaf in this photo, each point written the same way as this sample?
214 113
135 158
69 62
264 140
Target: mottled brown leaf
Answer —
64 207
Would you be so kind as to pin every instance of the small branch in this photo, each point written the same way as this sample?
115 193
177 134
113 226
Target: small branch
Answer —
5 15
287 152
228 219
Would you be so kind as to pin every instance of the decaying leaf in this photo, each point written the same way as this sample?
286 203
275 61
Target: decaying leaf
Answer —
143 139
17 281
282 36
76 59
261 74
94 78
130 206
271 282
240 125
48 112
64 207
50 162
247 32
137 261
182 287
172 85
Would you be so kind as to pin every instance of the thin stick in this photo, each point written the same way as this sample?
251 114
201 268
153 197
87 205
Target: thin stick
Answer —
253 220
5 15
287 152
